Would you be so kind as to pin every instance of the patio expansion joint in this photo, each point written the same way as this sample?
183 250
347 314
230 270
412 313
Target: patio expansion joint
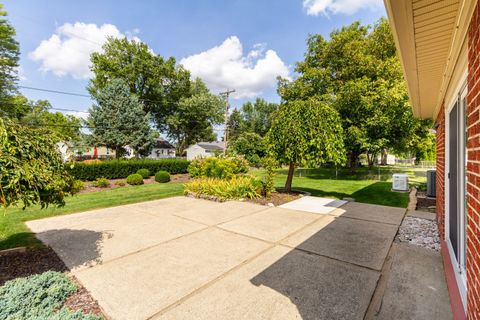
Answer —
376 300
368 220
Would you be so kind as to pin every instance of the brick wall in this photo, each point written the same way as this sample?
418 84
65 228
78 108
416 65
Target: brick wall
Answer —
473 168
440 175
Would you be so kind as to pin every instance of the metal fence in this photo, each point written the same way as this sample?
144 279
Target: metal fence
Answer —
411 163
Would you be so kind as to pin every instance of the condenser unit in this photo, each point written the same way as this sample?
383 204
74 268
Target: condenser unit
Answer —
431 183
400 182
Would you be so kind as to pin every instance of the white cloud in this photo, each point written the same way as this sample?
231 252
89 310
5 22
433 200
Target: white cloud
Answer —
79 114
21 74
67 51
316 7
226 66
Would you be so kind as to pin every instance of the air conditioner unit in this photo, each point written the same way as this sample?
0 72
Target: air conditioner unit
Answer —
431 183
400 182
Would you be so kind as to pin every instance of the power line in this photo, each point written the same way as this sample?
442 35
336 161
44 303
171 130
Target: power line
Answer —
56 91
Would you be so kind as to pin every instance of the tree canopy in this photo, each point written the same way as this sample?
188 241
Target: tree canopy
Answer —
158 83
118 119
305 132
357 72
9 56
194 117
252 117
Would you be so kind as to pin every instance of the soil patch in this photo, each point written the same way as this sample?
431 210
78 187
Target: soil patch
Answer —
425 203
39 260
277 198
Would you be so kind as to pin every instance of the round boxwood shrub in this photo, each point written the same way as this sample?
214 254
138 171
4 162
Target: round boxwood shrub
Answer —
145 173
162 176
135 179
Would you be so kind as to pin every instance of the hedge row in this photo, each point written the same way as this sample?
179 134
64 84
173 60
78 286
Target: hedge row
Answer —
117 169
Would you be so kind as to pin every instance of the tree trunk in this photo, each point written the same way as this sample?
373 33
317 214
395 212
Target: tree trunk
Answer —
352 161
371 160
117 152
288 183
384 158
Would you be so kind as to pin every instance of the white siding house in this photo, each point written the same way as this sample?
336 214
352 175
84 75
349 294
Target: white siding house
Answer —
162 149
204 149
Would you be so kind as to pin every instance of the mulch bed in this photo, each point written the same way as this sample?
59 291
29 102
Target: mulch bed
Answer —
39 260
277 198
183 177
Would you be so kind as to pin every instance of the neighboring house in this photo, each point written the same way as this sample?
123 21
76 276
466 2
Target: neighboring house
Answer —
205 149
439 48
100 152
162 149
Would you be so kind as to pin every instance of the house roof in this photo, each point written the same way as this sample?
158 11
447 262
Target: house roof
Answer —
215 145
162 144
429 36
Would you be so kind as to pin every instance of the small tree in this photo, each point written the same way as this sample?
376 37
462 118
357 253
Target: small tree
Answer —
305 133
118 120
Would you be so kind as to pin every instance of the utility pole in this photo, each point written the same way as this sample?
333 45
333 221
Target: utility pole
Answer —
226 94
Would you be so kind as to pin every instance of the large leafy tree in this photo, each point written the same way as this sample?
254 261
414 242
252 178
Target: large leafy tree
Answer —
31 168
251 145
252 117
9 56
118 119
157 82
358 73
305 132
63 128
194 117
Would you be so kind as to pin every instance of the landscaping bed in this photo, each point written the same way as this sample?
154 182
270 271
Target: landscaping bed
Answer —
277 198
425 203
37 261
116 183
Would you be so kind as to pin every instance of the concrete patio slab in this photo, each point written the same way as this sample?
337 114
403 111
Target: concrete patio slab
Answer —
416 287
314 204
363 243
137 286
220 212
283 284
176 205
108 236
422 214
271 225
372 212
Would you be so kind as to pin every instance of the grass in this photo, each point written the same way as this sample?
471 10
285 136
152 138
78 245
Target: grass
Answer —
367 186
14 232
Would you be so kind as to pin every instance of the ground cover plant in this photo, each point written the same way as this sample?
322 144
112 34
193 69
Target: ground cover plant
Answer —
118 169
39 297
237 187
101 183
14 233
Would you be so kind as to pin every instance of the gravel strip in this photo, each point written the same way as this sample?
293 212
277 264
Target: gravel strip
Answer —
419 232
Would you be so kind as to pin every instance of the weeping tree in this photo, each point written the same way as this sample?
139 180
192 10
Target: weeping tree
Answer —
305 133
31 167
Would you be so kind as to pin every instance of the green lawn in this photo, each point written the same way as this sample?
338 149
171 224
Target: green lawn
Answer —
368 186
14 233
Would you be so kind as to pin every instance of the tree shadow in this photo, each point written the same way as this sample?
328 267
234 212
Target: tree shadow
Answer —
75 247
326 288
322 193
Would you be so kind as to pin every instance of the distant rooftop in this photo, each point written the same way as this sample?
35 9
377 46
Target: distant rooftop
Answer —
214 145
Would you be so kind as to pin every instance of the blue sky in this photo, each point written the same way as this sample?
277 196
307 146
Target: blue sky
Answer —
239 43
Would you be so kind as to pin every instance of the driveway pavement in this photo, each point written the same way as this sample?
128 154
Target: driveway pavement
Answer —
184 258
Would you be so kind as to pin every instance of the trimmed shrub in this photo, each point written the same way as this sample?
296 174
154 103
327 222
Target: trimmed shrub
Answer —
78 185
101 183
134 179
217 167
39 297
120 183
239 187
145 173
162 176
118 169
